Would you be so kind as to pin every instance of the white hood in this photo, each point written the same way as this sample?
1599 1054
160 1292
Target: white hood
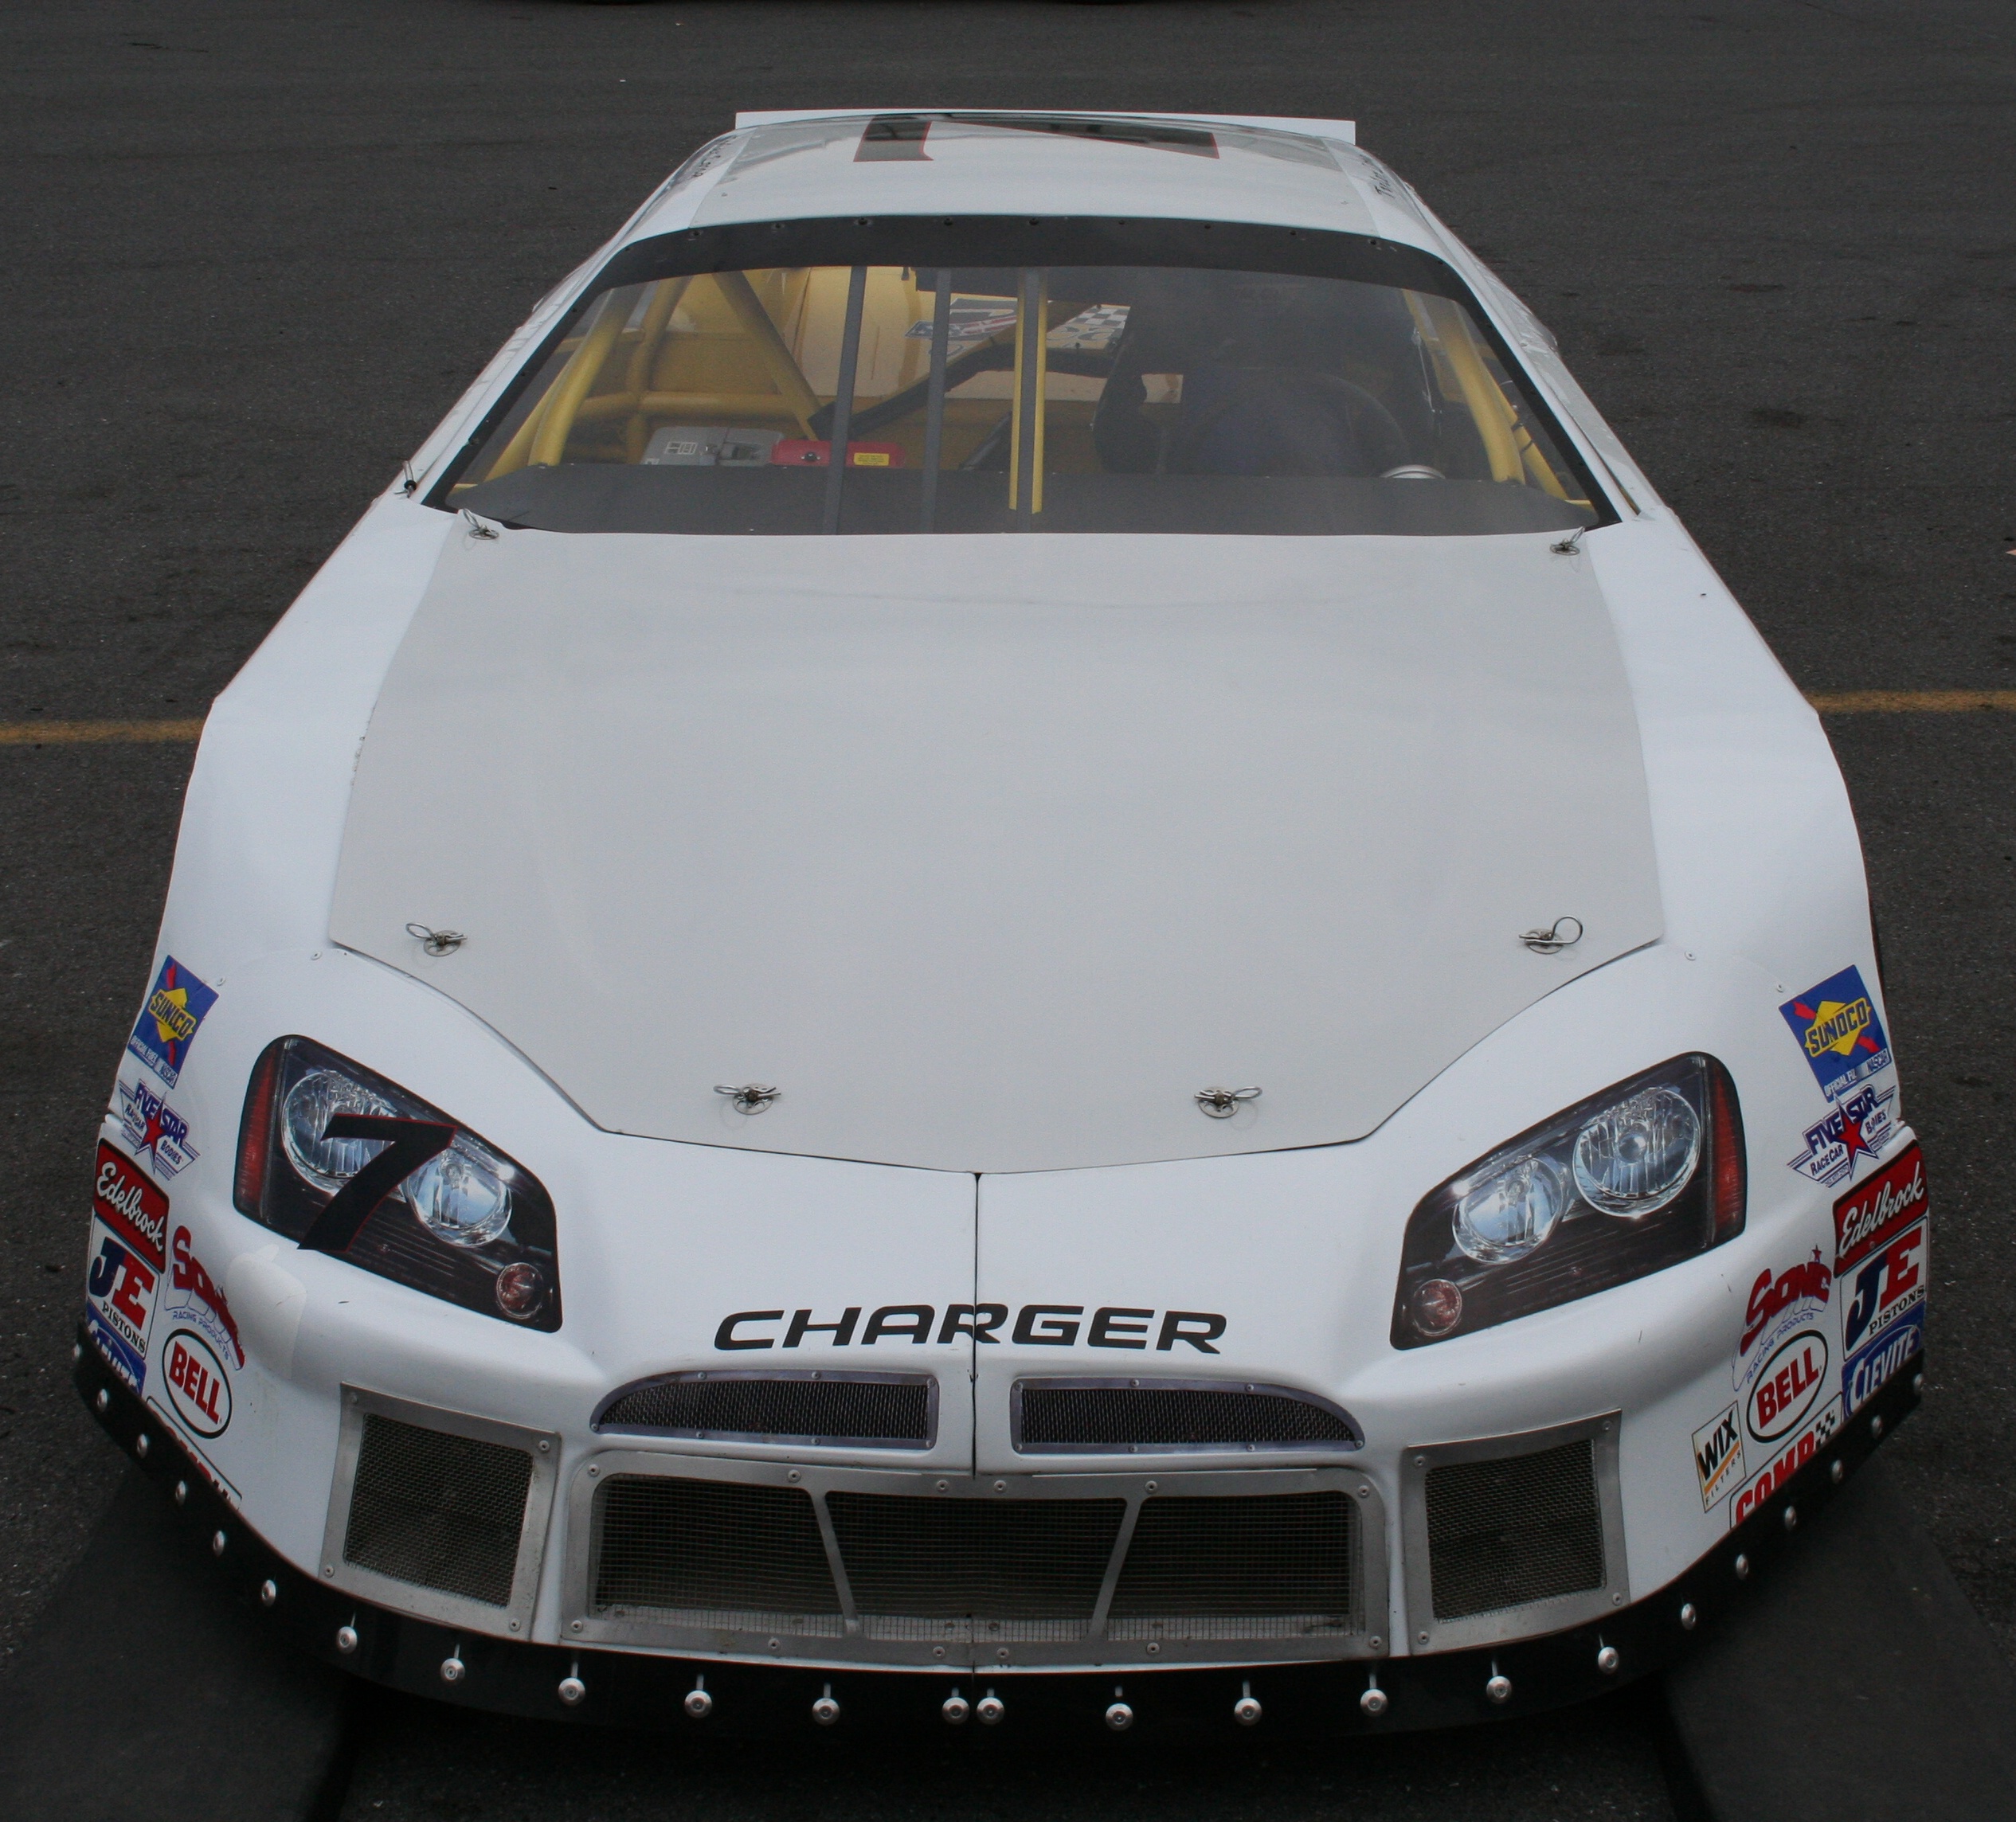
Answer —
990 852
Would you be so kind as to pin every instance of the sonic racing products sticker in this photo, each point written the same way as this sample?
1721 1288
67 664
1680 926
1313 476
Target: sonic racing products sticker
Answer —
1860 1128
154 1130
1788 1385
1718 1457
1885 1205
129 1220
168 1021
1802 1290
198 1387
1886 1290
194 1299
1867 1373
1837 1028
1785 1460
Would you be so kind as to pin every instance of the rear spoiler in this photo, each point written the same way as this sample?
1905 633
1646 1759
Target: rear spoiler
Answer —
1346 131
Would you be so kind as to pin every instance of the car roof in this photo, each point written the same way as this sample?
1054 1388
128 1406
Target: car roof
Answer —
811 164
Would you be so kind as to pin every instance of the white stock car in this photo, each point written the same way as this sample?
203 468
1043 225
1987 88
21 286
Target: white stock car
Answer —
1198 1036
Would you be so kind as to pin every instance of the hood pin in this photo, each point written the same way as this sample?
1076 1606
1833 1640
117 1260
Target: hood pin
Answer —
1563 933
1223 1103
751 1097
436 942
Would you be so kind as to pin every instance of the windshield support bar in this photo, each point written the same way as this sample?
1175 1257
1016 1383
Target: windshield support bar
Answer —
934 397
1025 449
857 289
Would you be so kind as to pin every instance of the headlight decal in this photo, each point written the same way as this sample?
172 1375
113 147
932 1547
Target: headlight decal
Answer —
1648 1172
343 1161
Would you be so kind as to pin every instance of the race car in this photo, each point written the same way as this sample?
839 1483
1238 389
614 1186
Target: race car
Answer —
1021 942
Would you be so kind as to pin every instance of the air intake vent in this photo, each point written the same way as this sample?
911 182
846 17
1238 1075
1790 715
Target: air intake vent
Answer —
438 1510
1283 1556
1025 1563
1108 1416
864 1410
1514 1530
716 1552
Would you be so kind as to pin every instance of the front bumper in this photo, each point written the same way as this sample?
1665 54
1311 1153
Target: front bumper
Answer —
601 1682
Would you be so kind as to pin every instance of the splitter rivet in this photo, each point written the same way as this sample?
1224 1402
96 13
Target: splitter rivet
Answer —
1838 1471
103 1400
269 1592
572 1690
1499 1686
1245 1710
1373 1701
989 1709
452 1668
1876 1426
1606 1660
1742 1568
141 1443
826 1710
1119 1717
182 1492
955 1708
346 1640
698 1703
216 1544
1690 1617
1791 1518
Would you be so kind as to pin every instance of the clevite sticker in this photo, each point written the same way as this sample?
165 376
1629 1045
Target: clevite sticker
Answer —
1838 1032
1860 1128
198 1387
168 1021
154 1130
1867 1372
1785 1460
1872 1212
1718 1457
194 1299
1885 1290
129 1223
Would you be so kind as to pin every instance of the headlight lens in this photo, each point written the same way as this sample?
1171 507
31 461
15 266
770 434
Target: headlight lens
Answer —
466 1223
1648 1173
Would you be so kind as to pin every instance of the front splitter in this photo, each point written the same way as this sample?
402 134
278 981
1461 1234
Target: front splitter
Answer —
636 1689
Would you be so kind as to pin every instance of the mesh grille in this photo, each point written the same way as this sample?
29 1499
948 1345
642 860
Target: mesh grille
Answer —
711 1545
1274 1554
1005 1559
765 1410
1172 1416
443 1511
1519 1529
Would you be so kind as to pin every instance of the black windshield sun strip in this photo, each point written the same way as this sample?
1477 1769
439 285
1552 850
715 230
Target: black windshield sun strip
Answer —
935 398
836 451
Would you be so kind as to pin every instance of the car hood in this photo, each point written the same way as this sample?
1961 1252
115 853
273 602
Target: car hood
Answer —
989 853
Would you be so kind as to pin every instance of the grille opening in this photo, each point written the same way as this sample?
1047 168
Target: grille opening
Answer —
989 1559
439 1510
709 1546
1269 1554
1508 1532
1063 1417
884 1412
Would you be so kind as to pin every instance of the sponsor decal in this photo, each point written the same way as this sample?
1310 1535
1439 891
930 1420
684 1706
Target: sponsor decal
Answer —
1860 1128
198 1387
1870 1214
1867 1373
1786 1459
167 1024
118 1302
154 1130
1788 1386
1718 1457
1886 1290
122 1199
193 1298
1770 1297
1838 1031
1035 1325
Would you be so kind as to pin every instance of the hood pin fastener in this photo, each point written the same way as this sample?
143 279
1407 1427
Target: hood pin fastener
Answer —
750 1097
1563 933
436 942
1223 1103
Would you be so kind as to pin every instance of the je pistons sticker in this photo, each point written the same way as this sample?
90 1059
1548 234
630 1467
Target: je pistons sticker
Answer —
168 1021
1839 1032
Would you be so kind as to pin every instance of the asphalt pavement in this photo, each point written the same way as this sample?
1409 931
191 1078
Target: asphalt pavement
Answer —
258 247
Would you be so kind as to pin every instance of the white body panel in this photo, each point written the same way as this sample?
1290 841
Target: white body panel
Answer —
1752 890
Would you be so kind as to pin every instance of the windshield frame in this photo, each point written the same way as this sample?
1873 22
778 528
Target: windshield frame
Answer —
1027 241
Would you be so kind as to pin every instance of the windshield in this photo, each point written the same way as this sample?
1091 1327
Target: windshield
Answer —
1317 392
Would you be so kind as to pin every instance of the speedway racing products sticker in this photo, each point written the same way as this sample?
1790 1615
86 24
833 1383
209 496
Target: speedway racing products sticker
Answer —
129 1217
1859 1128
1885 1205
168 1021
1838 1030
154 1130
195 1300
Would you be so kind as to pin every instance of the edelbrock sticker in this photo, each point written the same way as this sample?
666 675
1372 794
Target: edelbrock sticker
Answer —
1860 1127
1886 1204
168 1021
1838 1032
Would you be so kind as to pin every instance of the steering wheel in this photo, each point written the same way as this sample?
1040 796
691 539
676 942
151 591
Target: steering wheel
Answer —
1349 403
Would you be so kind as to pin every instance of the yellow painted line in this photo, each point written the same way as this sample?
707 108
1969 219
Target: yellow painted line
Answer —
1910 702
90 733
